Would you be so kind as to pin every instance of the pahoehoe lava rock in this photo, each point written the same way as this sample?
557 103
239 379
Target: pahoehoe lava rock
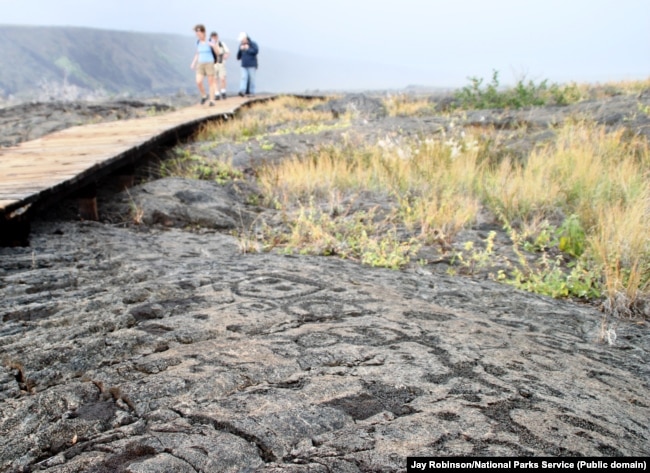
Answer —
180 202
359 104
170 351
142 348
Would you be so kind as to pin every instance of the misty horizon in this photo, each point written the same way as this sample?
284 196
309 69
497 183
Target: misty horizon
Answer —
415 42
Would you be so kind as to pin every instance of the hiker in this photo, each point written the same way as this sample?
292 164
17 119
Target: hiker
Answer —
220 65
247 54
204 64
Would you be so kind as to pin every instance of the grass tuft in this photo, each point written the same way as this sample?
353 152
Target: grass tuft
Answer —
278 116
405 105
192 166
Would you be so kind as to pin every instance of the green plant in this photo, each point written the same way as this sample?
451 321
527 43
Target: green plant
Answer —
266 145
571 238
476 95
471 258
566 94
549 275
354 236
550 278
644 109
388 251
480 95
526 94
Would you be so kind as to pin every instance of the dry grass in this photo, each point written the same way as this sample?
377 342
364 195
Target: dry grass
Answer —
621 247
609 89
429 182
577 92
584 168
265 118
598 180
404 105
603 180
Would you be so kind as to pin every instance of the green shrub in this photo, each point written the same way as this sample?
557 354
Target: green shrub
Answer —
476 95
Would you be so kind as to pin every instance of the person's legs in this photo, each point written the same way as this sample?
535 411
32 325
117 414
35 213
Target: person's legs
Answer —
199 83
244 81
223 81
206 69
217 77
212 81
251 80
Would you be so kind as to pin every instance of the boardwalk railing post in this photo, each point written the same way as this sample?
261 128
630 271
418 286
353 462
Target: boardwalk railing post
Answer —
14 231
87 200
126 177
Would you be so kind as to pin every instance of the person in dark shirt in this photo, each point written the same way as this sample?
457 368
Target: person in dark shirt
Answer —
247 54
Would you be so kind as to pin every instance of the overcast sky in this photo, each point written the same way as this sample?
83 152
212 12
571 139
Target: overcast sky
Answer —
446 40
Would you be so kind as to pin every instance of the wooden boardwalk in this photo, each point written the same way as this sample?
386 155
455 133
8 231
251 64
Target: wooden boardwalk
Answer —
66 161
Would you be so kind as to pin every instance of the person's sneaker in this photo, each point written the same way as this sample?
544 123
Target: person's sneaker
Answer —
211 103
217 97
223 96
242 94
203 100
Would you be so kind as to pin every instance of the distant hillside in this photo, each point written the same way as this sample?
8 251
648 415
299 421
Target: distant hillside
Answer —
32 58
68 62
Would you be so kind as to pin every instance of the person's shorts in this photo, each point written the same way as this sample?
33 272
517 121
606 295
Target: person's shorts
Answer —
205 69
220 70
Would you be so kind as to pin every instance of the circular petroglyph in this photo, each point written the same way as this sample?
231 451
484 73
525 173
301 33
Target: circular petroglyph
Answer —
276 287
317 339
256 306
434 316
325 309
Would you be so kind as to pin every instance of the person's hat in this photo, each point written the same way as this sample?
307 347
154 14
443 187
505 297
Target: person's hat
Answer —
242 36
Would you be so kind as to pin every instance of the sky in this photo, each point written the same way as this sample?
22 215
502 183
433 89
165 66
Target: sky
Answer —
435 42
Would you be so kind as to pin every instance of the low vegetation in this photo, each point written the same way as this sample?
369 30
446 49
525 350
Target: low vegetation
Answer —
575 211
193 166
284 115
405 105
527 93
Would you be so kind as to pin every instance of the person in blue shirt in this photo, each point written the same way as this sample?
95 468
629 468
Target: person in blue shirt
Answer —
203 62
247 54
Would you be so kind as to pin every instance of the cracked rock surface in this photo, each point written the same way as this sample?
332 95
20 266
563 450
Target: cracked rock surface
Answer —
162 350
161 347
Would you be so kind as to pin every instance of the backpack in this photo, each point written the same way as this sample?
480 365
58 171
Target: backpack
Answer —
218 58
